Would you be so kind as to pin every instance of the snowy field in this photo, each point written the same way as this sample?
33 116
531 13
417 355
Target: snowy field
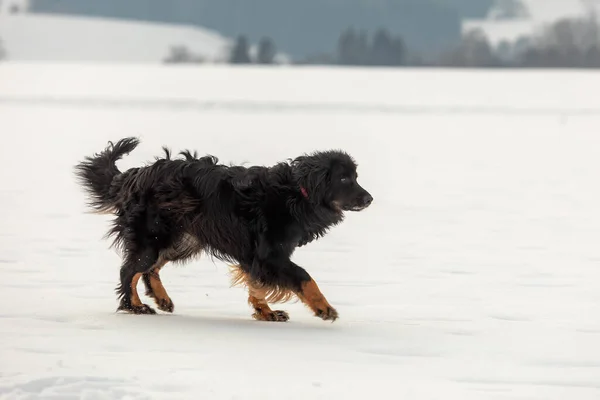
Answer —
473 275
38 37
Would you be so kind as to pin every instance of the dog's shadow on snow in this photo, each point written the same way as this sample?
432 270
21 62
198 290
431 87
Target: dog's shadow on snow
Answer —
195 322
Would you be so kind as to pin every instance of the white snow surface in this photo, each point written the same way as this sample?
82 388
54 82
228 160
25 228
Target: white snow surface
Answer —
50 37
552 10
473 275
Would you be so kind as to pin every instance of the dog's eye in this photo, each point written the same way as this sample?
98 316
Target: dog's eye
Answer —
344 180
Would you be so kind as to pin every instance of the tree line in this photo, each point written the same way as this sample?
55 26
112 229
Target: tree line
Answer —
240 53
353 48
567 43
3 54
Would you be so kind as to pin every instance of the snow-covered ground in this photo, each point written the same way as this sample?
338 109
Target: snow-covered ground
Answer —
66 38
474 274
49 37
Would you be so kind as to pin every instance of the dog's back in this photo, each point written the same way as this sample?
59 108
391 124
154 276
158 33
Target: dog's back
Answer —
108 188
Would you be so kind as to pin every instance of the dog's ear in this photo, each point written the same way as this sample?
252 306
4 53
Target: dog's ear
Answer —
311 174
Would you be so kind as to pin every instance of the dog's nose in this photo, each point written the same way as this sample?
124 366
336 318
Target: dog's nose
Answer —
367 199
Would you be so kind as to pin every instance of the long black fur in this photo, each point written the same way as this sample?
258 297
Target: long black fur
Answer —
174 209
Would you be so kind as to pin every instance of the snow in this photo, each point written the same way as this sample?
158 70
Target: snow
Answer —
473 275
499 31
49 37
552 10
8 6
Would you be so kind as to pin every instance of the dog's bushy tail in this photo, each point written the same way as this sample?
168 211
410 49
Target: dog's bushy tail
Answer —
96 174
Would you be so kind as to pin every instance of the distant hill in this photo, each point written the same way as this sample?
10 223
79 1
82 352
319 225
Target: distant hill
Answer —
300 28
39 37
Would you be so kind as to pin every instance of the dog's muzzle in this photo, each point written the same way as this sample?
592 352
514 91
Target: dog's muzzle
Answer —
362 203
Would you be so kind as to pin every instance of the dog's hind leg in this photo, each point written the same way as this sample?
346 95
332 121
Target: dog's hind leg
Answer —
257 297
262 311
155 288
135 265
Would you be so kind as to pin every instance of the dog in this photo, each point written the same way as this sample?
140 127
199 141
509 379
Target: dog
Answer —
250 217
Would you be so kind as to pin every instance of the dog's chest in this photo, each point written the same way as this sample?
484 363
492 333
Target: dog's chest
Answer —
286 230
289 237
294 234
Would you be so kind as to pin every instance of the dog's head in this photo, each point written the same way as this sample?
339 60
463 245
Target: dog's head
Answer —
329 178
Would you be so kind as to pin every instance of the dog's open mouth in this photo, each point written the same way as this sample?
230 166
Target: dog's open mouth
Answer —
350 207
357 208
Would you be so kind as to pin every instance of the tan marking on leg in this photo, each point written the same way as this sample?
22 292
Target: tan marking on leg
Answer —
162 299
262 311
271 294
134 305
135 298
314 299
258 297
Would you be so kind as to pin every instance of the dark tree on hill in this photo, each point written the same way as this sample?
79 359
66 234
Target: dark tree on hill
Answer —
181 55
474 51
353 48
2 51
240 53
592 57
356 49
568 43
178 54
362 49
380 52
399 51
266 51
348 52
345 45
387 50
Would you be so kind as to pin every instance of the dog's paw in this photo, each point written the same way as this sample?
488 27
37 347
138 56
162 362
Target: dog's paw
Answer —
143 309
328 314
277 315
165 305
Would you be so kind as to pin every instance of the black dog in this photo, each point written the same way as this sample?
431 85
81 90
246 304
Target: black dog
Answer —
252 217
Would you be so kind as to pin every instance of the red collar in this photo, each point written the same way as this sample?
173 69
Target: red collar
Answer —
303 191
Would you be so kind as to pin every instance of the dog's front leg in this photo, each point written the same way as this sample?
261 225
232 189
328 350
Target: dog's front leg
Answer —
280 272
310 295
